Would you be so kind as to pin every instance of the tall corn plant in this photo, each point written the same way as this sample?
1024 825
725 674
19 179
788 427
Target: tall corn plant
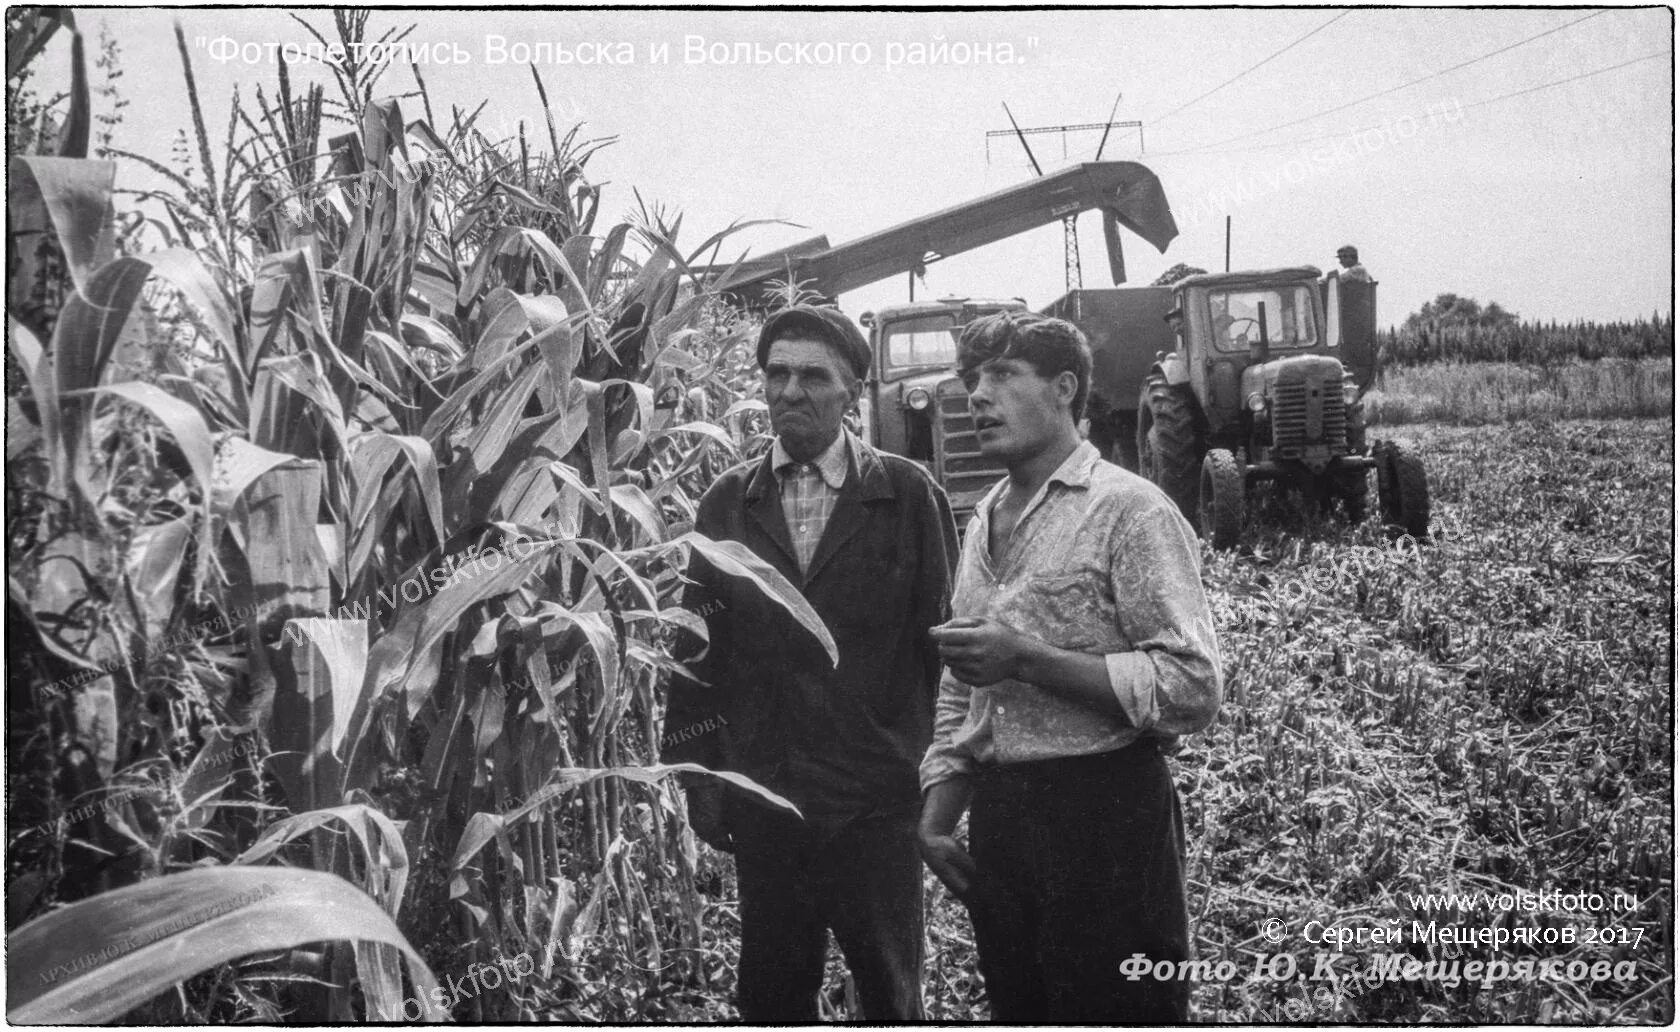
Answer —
117 555
442 480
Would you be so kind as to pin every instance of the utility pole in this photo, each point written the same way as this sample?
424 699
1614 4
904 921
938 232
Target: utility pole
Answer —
1070 231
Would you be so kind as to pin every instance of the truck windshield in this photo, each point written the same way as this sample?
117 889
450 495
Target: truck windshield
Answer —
1236 317
924 340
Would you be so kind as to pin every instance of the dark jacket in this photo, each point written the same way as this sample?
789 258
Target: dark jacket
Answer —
839 742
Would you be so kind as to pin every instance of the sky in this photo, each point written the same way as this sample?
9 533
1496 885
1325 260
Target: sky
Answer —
1557 202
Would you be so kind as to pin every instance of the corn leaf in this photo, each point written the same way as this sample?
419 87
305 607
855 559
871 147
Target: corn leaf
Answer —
153 567
380 839
77 195
399 653
43 388
736 560
97 959
193 437
239 464
91 322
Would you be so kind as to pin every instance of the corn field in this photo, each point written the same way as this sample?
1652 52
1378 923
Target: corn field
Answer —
345 533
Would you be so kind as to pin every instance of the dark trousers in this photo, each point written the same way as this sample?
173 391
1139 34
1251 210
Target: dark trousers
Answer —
797 880
1081 865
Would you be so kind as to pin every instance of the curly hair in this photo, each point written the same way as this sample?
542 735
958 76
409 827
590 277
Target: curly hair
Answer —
1050 346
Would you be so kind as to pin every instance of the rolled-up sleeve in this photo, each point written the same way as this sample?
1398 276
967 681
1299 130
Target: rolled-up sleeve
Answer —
1170 684
945 759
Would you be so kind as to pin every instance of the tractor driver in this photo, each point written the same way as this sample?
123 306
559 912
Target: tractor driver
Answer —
1348 255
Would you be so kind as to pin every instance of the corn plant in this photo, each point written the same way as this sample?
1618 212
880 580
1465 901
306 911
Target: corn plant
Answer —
400 525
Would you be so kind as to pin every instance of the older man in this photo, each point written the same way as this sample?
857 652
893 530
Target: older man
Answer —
1082 647
869 540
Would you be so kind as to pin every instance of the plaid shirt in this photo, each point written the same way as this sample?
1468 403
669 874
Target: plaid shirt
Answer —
809 491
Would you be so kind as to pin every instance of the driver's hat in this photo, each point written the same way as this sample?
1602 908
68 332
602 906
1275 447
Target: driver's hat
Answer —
1176 313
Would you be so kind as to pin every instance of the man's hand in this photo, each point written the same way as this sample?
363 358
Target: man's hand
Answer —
936 836
982 652
947 859
705 816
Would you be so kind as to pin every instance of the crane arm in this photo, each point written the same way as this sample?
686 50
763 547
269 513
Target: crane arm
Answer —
1128 194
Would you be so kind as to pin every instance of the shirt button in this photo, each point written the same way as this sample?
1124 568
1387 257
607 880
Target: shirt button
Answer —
1000 711
802 528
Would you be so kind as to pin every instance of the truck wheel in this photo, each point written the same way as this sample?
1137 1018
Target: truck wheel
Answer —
1402 488
1168 452
1221 498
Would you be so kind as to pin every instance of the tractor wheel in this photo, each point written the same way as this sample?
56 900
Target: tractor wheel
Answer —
1402 488
1355 492
1168 451
1220 504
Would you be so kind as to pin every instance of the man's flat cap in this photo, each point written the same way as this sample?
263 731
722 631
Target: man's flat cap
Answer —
824 324
1176 313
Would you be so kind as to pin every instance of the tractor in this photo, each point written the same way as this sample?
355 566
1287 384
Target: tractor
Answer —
1265 383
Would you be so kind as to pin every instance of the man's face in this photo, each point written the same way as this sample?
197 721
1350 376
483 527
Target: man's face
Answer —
808 388
1017 412
1348 259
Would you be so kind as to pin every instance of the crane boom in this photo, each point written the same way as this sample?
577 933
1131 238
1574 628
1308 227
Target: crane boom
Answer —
1128 194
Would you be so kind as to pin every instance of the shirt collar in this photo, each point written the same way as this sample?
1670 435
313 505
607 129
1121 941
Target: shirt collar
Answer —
832 463
1076 469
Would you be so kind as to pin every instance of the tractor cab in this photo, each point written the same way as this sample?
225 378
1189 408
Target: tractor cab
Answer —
1265 383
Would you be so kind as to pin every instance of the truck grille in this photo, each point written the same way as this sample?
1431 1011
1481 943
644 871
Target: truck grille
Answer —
964 472
1306 413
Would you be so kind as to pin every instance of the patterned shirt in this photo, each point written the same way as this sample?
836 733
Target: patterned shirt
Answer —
1100 562
809 491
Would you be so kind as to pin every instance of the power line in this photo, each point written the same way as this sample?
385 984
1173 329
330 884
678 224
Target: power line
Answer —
1396 89
1250 68
1466 107
1239 75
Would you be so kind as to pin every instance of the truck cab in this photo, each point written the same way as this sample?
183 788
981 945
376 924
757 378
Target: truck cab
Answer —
913 403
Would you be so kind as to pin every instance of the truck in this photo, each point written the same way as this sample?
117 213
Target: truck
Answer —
914 405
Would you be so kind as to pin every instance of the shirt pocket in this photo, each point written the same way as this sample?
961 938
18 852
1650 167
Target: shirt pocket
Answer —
1071 609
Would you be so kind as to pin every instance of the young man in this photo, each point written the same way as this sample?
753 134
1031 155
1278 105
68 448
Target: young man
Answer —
1081 648
868 539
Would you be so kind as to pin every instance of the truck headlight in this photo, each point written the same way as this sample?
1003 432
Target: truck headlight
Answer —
1257 404
1350 392
917 398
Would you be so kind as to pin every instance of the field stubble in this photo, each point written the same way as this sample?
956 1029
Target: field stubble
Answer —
1488 712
